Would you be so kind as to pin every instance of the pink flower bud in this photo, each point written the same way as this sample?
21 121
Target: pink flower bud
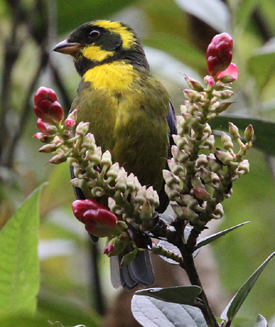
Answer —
229 75
82 128
40 136
73 114
209 80
98 220
219 54
116 245
47 106
110 247
249 133
58 158
201 193
194 84
48 148
69 123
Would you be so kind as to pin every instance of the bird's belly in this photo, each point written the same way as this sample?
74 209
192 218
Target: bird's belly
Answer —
141 145
136 138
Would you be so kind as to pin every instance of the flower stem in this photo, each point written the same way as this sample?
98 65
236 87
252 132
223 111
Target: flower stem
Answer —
193 276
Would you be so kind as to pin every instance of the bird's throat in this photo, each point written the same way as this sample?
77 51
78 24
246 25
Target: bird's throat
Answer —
116 76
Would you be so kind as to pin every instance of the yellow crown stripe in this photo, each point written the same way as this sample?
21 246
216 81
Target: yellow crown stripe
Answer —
127 35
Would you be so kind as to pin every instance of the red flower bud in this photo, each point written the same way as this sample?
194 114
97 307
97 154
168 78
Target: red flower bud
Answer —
98 220
219 54
57 112
45 93
47 106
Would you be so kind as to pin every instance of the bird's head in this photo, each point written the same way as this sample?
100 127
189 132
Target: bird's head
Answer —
100 42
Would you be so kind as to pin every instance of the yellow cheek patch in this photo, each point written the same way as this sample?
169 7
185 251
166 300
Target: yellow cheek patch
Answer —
95 53
127 36
114 76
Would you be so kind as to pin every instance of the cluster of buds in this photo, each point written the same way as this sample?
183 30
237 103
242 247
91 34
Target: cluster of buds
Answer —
198 182
98 178
49 114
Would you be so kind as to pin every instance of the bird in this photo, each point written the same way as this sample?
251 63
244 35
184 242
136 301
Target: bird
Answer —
130 114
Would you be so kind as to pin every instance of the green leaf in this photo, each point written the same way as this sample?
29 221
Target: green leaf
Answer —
177 294
236 302
59 190
19 265
264 130
243 11
262 64
261 322
215 236
22 320
70 15
151 312
59 307
178 48
213 12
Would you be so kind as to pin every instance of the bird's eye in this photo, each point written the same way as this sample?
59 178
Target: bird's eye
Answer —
93 34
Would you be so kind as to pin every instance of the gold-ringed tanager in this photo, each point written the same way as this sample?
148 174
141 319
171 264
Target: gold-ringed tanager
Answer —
128 110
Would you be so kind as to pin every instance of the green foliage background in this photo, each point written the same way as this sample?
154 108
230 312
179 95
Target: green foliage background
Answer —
181 39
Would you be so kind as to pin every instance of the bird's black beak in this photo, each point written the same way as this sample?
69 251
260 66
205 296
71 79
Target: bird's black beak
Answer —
67 47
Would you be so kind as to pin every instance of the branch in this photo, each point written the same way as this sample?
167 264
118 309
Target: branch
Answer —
26 109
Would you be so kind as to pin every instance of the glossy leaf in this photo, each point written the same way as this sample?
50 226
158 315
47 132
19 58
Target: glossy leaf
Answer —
261 322
236 302
151 312
19 265
215 236
213 12
177 294
264 130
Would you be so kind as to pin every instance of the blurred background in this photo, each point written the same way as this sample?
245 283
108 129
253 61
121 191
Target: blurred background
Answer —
75 283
